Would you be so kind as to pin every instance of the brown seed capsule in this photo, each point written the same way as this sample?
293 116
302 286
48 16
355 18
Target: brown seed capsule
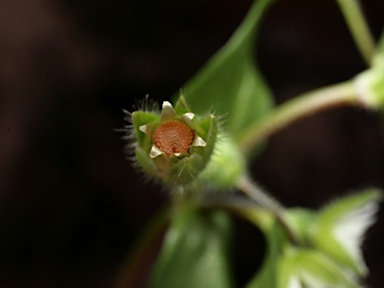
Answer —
173 137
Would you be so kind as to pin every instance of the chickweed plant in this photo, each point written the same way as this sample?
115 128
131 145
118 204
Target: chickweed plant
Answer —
199 147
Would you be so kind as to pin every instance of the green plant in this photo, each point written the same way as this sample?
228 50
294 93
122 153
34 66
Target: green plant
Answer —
189 150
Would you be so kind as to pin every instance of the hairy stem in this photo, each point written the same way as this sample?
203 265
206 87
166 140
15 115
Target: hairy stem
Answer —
299 107
260 196
358 28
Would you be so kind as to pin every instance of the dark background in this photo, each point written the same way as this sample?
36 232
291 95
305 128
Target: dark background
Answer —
71 205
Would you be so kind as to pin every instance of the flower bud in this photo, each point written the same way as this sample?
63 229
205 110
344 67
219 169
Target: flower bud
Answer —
175 145
369 85
226 166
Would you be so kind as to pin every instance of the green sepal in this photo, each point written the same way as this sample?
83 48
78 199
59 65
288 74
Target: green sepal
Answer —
140 118
146 163
185 169
181 106
202 126
211 140
226 166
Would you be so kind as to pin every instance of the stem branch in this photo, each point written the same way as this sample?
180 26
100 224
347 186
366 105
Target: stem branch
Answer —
299 107
259 195
358 28
265 200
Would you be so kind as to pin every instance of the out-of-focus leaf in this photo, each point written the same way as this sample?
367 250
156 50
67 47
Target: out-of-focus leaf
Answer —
301 221
229 83
341 226
225 167
301 268
136 266
276 239
380 44
379 61
268 274
195 252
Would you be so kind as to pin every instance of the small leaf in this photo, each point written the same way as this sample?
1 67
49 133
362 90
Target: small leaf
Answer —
195 252
267 276
301 268
380 44
341 226
229 83
301 220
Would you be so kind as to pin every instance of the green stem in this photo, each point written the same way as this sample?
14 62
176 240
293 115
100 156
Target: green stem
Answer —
260 196
299 107
359 28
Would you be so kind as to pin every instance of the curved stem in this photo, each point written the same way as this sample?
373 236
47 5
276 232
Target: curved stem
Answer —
299 107
258 194
359 28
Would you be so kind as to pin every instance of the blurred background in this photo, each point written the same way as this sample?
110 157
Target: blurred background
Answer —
71 206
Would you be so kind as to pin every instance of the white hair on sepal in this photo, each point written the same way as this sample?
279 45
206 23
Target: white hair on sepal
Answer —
129 123
222 119
129 135
147 104
221 139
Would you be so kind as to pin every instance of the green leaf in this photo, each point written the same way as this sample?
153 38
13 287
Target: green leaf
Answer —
276 240
341 226
380 44
229 83
301 220
134 269
310 268
268 274
195 252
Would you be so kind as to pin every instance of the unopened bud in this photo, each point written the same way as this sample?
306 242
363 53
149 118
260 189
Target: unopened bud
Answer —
370 86
175 145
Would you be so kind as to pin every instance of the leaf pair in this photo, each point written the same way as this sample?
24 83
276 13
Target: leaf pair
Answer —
328 252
